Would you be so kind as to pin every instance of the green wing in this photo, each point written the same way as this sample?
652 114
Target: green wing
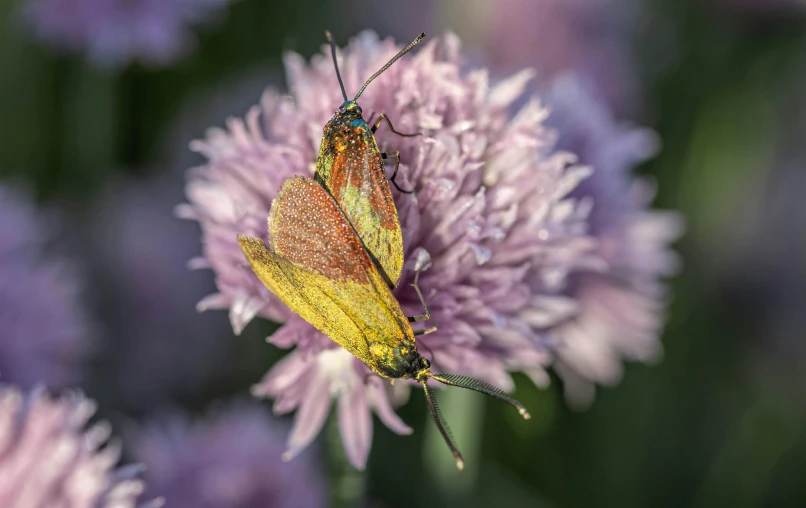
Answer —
356 179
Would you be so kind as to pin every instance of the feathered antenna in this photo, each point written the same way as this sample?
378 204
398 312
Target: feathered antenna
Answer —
441 424
462 382
482 387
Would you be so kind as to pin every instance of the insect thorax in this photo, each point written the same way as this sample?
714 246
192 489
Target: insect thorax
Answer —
402 361
347 127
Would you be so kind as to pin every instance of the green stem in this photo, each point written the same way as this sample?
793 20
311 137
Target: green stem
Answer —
347 484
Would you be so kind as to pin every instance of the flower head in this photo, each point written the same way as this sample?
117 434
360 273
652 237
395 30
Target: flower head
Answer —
43 331
112 33
491 216
48 457
620 309
230 458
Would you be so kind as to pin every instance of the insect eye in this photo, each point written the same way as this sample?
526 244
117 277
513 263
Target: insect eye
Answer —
342 109
358 109
427 363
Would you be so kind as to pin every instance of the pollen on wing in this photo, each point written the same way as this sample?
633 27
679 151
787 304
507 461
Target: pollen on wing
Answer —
309 229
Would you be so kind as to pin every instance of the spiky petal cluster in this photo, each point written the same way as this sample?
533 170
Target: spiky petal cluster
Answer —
113 33
49 458
43 329
620 309
230 458
491 210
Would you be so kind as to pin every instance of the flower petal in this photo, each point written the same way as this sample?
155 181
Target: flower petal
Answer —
310 418
355 425
379 399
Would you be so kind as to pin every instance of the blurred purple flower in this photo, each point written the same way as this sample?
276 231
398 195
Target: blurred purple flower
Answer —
621 309
43 330
163 349
112 33
555 36
50 459
231 458
490 208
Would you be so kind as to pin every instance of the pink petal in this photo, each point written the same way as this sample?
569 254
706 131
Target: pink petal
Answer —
287 372
383 407
309 418
355 425
243 310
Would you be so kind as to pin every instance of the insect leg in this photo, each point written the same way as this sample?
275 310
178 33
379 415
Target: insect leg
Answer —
416 286
383 117
396 155
422 317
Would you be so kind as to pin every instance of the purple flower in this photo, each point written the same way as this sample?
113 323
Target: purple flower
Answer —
490 209
50 459
556 36
163 348
620 309
231 458
112 33
43 330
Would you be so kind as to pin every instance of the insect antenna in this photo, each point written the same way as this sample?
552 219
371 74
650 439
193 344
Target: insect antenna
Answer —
390 62
480 386
335 62
441 424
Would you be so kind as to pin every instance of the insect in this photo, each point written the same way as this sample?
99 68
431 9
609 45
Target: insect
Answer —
351 167
317 265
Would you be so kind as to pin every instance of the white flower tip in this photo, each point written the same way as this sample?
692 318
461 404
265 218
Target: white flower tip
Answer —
198 263
185 211
256 390
131 471
155 503
197 145
242 311
289 454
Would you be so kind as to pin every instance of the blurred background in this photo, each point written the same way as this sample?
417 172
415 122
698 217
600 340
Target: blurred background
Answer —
94 140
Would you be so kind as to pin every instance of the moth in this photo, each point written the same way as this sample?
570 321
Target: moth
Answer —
316 263
350 166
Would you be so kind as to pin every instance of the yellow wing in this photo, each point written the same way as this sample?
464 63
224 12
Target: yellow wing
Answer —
321 271
303 293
